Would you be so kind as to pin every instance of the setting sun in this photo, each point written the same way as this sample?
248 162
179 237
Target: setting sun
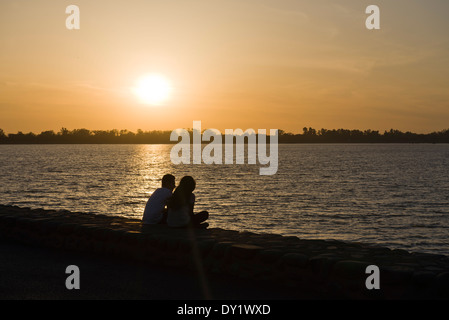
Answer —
153 89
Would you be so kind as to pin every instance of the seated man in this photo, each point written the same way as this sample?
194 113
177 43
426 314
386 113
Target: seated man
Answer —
155 211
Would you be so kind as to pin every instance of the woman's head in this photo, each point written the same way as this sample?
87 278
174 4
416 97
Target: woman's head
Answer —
187 183
183 192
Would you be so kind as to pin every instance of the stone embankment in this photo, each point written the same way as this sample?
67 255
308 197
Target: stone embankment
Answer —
334 269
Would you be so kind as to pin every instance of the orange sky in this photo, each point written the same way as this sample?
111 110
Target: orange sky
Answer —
281 64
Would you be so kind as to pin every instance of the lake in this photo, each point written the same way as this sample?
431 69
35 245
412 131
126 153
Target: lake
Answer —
395 195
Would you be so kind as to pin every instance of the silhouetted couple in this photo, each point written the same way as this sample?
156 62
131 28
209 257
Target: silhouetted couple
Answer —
174 209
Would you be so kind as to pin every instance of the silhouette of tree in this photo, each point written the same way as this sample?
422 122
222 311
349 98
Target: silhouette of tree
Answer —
309 135
47 137
2 136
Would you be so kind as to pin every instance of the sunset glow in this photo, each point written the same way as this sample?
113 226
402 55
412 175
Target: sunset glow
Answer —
231 64
153 89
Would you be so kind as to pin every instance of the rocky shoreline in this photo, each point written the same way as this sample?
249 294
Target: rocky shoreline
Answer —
333 268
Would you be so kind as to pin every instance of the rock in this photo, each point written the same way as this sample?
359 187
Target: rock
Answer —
350 269
295 260
433 269
221 249
441 285
323 263
395 274
264 257
423 278
400 252
270 256
245 251
205 246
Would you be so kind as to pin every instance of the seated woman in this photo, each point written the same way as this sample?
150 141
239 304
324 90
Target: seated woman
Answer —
180 206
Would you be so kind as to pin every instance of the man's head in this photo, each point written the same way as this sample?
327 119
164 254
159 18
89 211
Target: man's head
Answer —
168 181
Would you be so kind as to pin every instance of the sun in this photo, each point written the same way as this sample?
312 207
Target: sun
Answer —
153 89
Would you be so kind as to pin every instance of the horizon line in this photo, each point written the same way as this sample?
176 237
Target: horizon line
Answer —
312 131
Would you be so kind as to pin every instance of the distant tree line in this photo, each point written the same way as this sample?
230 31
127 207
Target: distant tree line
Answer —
85 136
309 135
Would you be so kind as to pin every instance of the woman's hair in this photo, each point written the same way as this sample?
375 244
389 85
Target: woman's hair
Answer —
182 193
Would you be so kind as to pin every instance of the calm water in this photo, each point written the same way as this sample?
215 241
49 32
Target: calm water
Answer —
394 195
